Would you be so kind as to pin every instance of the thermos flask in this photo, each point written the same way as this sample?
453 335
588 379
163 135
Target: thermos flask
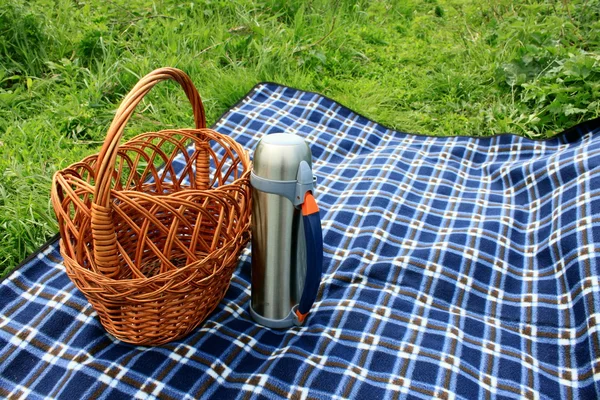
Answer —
287 242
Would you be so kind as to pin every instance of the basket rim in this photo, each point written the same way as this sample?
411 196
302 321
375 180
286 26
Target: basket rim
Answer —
244 178
189 132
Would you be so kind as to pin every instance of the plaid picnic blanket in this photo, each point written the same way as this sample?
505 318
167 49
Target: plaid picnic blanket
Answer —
454 267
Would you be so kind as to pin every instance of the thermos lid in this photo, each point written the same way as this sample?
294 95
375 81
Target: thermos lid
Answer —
277 156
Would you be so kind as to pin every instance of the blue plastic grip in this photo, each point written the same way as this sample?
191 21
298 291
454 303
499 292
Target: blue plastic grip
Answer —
314 257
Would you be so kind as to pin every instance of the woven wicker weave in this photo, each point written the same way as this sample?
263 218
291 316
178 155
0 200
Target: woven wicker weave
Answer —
152 247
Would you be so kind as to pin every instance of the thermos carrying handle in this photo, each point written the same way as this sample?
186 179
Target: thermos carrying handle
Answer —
314 255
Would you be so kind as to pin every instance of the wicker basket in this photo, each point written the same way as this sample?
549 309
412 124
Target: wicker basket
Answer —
151 229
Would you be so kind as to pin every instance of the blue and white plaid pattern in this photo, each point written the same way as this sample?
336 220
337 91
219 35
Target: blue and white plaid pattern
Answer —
455 267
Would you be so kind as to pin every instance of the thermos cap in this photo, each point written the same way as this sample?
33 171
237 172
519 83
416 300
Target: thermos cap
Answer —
277 156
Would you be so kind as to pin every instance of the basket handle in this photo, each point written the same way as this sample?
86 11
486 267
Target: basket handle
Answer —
103 232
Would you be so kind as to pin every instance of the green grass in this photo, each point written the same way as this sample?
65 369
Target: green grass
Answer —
441 67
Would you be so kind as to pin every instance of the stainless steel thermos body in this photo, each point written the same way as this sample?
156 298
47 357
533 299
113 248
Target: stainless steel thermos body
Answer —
282 181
